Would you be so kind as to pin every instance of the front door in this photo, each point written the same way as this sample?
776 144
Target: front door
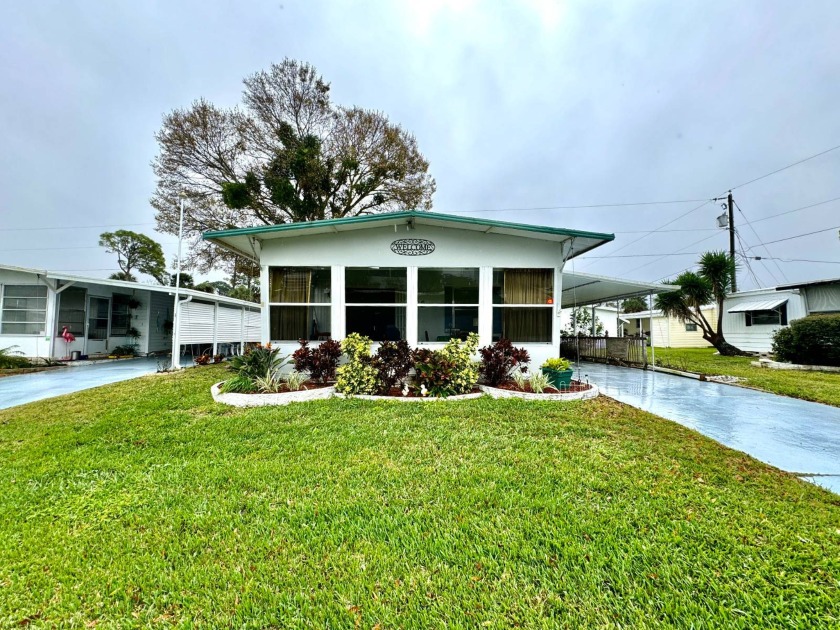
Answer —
97 326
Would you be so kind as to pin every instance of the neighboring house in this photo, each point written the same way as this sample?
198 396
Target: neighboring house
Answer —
752 317
422 276
670 332
35 306
613 322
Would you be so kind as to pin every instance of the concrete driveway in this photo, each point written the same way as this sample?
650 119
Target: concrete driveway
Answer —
24 388
794 435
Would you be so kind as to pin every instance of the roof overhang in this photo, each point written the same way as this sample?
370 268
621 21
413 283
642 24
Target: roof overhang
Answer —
584 289
244 241
809 283
760 305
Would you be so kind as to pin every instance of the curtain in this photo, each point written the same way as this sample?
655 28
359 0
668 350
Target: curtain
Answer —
528 286
292 285
523 325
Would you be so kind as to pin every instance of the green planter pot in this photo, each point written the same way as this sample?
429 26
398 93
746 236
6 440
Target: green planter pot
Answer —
558 378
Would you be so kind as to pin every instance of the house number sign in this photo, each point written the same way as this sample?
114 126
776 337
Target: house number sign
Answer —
412 247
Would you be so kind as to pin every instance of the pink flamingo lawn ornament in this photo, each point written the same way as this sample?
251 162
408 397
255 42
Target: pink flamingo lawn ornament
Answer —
68 339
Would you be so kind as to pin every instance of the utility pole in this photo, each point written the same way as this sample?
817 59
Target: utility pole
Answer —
731 204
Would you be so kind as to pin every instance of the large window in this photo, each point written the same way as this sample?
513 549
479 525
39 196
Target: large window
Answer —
774 317
120 315
24 310
98 317
376 298
448 303
71 311
523 302
299 303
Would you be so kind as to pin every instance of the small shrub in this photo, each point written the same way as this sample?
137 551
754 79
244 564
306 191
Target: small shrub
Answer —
498 360
557 363
448 371
12 359
257 362
202 359
538 382
812 340
320 362
357 377
295 380
520 378
124 351
356 346
393 362
239 384
218 358
271 383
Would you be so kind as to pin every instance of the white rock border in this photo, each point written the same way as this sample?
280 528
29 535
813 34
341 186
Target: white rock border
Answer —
778 365
264 400
409 399
496 392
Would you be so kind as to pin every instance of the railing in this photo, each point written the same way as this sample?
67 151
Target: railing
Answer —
617 350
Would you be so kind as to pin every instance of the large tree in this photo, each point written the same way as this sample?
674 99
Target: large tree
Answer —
286 154
634 305
135 251
698 289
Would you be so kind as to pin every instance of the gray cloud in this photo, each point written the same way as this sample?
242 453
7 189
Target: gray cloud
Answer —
515 105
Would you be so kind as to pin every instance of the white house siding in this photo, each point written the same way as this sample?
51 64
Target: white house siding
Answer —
605 315
371 247
758 338
670 332
823 298
160 312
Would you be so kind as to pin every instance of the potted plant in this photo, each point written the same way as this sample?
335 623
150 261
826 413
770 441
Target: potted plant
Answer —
558 371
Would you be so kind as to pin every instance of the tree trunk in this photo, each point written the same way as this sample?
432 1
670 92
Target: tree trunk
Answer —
725 348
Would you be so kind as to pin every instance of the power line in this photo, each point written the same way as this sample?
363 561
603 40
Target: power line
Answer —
759 238
46 249
677 252
784 168
580 207
749 265
806 260
790 238
648 255
72 227
813 205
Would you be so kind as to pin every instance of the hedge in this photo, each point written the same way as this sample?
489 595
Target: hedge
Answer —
812 340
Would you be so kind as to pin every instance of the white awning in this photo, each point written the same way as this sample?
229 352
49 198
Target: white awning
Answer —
583 289
764 305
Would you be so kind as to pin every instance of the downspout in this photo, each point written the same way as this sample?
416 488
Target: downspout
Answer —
652 347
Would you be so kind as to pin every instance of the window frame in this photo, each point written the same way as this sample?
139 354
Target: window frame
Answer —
690 327
421 305
547 305
270 304
4 308
396 305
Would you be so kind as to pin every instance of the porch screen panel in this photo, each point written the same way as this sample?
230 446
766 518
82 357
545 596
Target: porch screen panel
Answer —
376 302
24 310
447 303
299 299
523 303
120 315
72 311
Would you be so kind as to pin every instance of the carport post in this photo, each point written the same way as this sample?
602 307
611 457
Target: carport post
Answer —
215 328
652 350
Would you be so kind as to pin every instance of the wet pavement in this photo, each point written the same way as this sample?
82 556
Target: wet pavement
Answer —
794 435
25 388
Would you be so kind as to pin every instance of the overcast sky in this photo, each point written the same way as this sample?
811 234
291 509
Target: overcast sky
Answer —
516 106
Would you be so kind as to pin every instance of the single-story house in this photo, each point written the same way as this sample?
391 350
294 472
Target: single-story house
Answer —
421 276
751 318
36 305
611 319
669 331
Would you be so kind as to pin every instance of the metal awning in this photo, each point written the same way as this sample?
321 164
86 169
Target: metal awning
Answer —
584 289
763 305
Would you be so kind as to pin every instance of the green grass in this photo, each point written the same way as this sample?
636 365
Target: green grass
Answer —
821 387
144 503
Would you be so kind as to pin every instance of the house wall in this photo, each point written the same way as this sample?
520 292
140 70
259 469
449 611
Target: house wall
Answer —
678 337
371 247
29 345
160 312
605 315
758 338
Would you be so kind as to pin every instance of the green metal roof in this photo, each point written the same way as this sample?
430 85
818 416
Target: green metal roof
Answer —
390 216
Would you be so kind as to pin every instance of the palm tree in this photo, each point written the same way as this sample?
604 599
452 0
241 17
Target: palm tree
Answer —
697 289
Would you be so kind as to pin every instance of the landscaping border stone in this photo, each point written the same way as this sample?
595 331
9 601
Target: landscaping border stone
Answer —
496 392
412 398
778 365
264 400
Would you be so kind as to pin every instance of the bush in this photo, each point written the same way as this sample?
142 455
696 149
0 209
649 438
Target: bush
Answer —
448 371
11 358
393 362
257 362
356 346
357 377
320 362
239 384
812 340
557 363
498 360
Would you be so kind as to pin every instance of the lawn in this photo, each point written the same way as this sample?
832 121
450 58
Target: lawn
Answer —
144 503
821 387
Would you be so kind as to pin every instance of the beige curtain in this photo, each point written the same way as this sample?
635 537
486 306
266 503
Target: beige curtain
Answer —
527 325
527 286
292 285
